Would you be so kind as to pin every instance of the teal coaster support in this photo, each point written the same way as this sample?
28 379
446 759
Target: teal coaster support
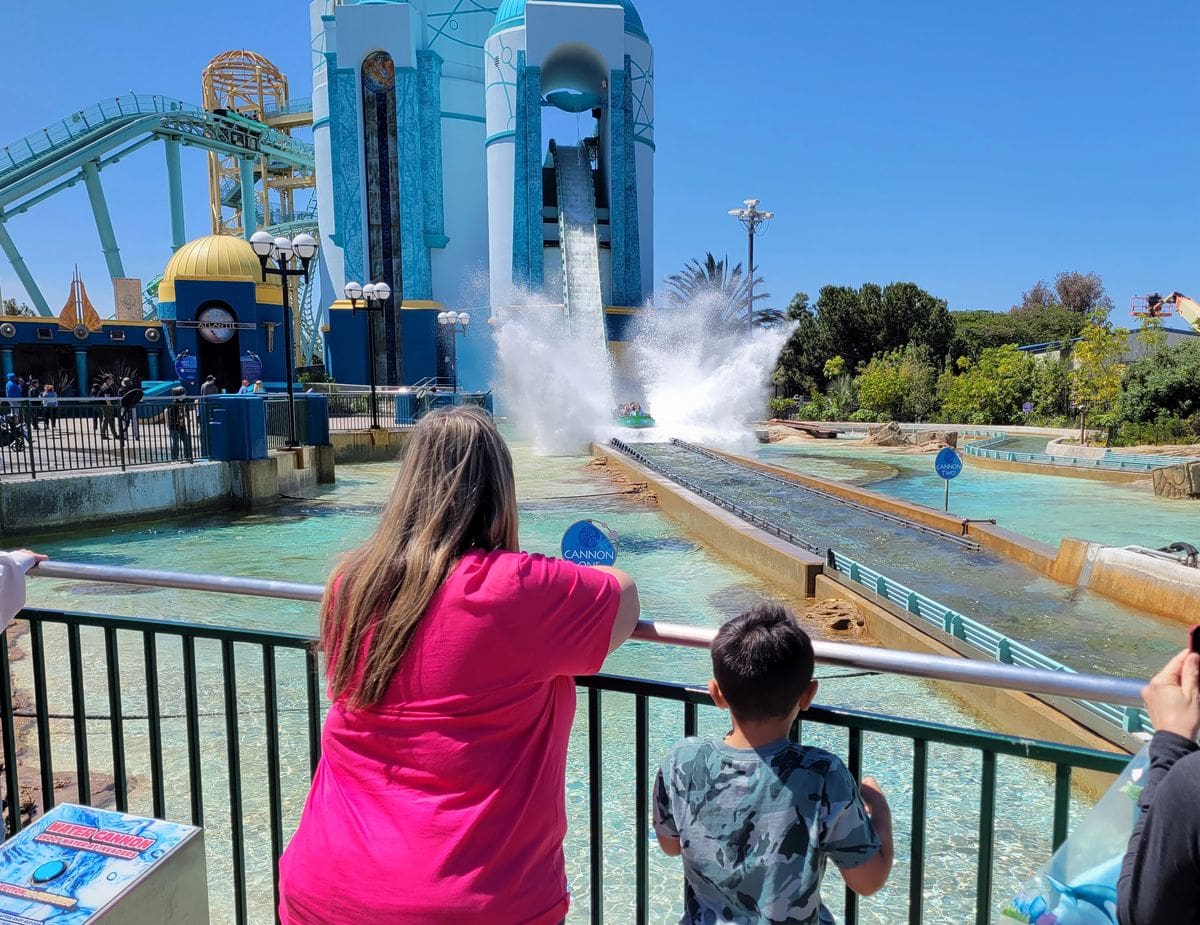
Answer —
18 264
175 195
108 238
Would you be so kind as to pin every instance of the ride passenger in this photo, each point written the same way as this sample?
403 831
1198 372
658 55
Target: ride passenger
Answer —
450 655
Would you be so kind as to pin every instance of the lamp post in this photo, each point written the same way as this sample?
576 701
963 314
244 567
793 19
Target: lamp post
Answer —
454 323
282 250
375 296
752 218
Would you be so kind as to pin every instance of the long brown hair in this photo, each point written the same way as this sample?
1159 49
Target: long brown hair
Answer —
455 492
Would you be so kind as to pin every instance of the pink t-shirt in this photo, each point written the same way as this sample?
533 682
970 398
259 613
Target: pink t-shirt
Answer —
445 801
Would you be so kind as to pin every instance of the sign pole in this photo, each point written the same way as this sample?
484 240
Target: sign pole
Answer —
946 508
947 465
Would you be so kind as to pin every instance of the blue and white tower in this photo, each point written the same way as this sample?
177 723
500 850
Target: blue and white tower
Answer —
435 173
590 57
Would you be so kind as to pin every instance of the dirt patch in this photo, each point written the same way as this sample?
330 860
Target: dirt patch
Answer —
633 489
837 620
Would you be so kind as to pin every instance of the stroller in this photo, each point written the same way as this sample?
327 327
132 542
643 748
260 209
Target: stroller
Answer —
12 435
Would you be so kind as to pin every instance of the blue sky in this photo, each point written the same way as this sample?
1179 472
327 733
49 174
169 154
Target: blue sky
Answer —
970 147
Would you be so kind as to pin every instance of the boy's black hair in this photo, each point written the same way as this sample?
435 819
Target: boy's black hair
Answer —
763 662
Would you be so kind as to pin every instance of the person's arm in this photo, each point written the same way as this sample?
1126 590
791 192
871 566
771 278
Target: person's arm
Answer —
665 828
13 566
628 611
1160 875
870 876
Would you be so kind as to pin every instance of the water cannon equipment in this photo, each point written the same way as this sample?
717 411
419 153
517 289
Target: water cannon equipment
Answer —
78 865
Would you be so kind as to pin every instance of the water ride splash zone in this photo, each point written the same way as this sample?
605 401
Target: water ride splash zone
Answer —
76 863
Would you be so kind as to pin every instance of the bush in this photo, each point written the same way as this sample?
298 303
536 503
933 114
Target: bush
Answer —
867 416
1165 430
989 391
782 407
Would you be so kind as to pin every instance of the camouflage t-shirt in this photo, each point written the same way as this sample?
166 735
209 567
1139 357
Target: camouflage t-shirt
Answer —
756 826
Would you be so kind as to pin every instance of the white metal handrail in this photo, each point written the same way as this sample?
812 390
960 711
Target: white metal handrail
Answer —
868 658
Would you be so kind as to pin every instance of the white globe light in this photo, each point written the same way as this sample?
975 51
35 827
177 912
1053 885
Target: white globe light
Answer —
306 246
283 247
383 292
443 318
262 243
463 318
368 291
353 291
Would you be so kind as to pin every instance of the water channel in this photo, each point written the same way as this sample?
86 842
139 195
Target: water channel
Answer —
680 580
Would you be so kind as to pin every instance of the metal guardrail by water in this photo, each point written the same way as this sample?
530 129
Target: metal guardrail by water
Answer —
86 434
268 707
1031 679
1130 718
1116 462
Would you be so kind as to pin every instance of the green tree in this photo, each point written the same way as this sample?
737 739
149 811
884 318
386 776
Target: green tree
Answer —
1152 336
720 292
18 310
899 384
802 358
1097 371
1162 385
991 390
859 323
1051 394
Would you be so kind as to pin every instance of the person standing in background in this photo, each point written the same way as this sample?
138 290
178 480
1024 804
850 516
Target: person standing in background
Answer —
50 406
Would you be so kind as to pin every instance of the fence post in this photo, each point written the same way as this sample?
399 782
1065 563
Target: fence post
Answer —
1132 717
957 630
914 604
948 621
881 587
1004 651
854 571
26 415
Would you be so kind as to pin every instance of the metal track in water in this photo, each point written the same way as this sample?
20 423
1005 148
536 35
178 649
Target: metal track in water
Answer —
766 525
962 541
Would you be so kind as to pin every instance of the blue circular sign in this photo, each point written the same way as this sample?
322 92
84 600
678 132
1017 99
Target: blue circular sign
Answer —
947 464
1027 407
589 542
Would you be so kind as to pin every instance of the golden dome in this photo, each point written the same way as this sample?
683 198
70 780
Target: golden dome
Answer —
218 258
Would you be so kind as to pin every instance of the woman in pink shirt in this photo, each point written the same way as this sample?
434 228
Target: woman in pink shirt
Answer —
440 794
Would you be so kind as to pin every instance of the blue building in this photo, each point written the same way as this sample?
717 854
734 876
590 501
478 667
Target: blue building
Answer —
221 317
447 150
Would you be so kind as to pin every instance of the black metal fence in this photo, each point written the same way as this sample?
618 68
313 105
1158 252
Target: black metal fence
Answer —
279 422
352 410
221 727
74 434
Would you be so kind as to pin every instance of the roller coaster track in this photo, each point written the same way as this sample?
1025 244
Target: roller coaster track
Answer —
75 149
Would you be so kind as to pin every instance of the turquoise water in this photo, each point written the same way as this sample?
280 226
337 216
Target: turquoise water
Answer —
1083 629
680 580
1045 507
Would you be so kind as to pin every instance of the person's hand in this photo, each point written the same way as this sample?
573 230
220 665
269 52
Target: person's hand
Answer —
874 801
1173 696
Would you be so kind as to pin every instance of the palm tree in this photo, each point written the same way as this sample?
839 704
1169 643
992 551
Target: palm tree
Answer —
721 292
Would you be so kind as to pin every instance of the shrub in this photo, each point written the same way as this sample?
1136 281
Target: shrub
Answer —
782 407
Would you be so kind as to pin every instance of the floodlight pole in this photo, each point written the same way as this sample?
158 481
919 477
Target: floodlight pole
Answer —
752 218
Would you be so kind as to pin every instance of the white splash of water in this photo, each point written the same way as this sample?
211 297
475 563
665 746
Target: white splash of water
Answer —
704 382
556 382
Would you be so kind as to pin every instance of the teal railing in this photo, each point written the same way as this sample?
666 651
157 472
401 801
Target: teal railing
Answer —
978 636
220 727
992 448
90 120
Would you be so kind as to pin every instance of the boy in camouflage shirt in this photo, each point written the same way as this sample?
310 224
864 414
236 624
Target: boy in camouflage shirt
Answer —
754 815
